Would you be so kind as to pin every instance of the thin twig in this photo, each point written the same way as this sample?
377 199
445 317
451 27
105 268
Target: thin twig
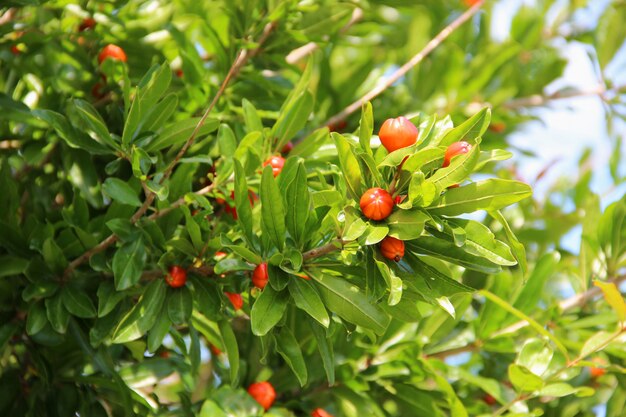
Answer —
333 246
241 60
400 72
540 100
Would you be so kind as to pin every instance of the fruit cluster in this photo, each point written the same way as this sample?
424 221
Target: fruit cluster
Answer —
376 203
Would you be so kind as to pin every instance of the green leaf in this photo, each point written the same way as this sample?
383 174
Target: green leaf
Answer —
407 224
69 134
348 301
597 342
206 297
158 332
251 117
472 128
480 241
232 350
491 194
179 305
36 319
211 409
77 302
307 299
178 132
458 170
517 248
535 356
311 144
272 210
143 315
561 389
12 265
292 119
610 33
287 346
325 347
108 298
298 206
242 201
349 165
120 191
545 269
394 283
366 127
57 314
128 264
267 310
93 123
448 251
523 380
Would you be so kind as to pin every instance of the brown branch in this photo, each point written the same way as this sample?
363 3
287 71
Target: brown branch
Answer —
307 49
241 60
8 15
400 72
540 100
570 303
333 246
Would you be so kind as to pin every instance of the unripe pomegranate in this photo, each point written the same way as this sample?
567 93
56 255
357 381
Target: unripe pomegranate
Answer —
235 300
277 163
595 371
397 133
376 204
113 52
259 276
177 276
392 248
263 393
456 148
319 412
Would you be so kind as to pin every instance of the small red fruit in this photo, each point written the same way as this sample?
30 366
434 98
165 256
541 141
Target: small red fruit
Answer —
215 350
457 148
179 73
259 276
595 371
235 300
287 148
15 50
397 133
319 412
113 52
489 399
399 199
470 3
498 127
337 127
376 204
177 276
220 254
86 24
277 163
392 248
263 393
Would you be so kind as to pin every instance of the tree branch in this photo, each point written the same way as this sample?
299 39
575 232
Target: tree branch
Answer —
540 100
333 246
241 60
416 59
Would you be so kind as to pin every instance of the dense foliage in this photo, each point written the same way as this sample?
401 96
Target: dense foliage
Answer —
192 224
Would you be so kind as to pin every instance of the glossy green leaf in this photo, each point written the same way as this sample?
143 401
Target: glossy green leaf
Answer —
36 318
491 194
292 119
448 251
472 128
93 124
349 166
407 224
232 350
121 191
57 313
143 315
267 310
179 132
325 348
298 206
272 209
366 127
251 117
179 305
348 301
77 302
287 346
128 264
523 380
307 299
160 329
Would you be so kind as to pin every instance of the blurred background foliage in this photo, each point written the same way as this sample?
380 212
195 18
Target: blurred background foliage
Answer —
474 363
